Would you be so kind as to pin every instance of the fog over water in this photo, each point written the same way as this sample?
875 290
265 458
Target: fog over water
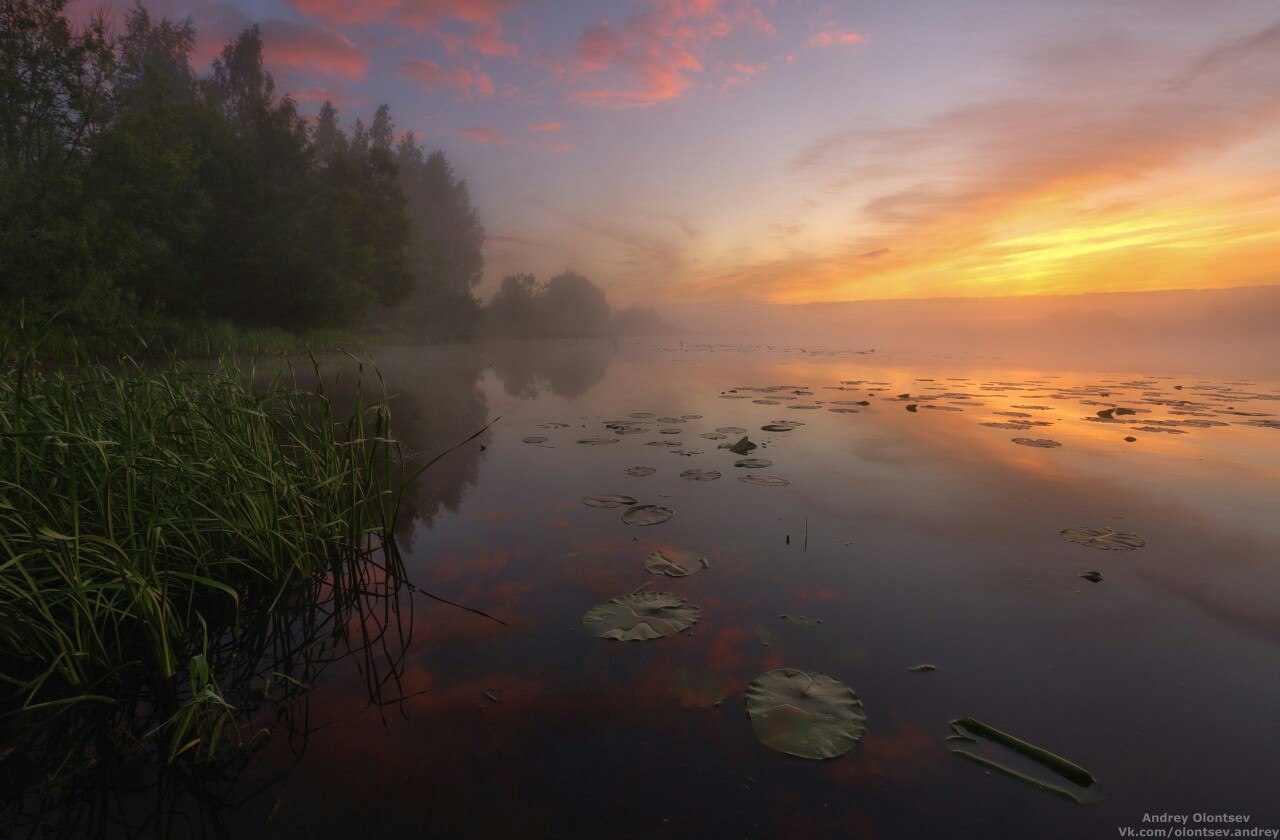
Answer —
1227 331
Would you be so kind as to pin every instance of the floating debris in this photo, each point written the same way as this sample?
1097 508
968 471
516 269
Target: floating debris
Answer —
700 475
998 750
647 515
674 563
764 480
1104 538
607 501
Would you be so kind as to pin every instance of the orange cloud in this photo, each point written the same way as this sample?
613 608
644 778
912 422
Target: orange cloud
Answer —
310 50
485 135
1071 184
464 82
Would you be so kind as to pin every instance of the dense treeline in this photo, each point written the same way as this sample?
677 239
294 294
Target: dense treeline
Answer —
132 187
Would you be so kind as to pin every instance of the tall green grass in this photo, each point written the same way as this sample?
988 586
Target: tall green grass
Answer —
163 529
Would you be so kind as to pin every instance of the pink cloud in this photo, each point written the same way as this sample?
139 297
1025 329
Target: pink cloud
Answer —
654 56
310 50
485 135
465 82
459 24
545 126
837 37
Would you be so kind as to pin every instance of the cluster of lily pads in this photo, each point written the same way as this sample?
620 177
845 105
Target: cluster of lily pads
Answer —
813 715
1213 405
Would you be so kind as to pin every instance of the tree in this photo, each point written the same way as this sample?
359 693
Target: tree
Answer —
445 250
513 310
571 305
328 137
55 97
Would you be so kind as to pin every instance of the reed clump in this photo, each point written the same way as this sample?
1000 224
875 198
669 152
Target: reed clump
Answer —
152 517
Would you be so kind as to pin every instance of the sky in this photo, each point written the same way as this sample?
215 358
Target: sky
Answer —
793 151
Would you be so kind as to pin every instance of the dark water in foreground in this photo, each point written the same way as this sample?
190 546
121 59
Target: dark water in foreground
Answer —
931 538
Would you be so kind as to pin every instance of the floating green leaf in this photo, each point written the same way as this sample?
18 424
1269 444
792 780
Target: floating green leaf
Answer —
647 515
806 715
607 501
641 616
673 563
731 430
742 447
1103 538
764 480
753 463
700 475
1092 577
1001 751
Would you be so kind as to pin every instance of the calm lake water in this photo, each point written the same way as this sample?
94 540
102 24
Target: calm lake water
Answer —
915 537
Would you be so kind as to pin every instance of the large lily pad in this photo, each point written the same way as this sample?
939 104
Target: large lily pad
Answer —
607 501
764 480
640 472
1103 538
753 463
641 616
700 475
731 430
598 441
780 426
647 515
807 715
674 563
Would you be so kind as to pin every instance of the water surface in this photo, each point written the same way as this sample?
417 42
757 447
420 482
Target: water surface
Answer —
916 537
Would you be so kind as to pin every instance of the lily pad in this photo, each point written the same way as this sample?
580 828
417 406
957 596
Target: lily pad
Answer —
640 472
1103 538
1092 577
674 563
731 430
988 746
641 616
598 441
607 501
712 436
647 515
534 439
806 715
742 447
764 480
700 475
640 415
780 426
753 463
1039 443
